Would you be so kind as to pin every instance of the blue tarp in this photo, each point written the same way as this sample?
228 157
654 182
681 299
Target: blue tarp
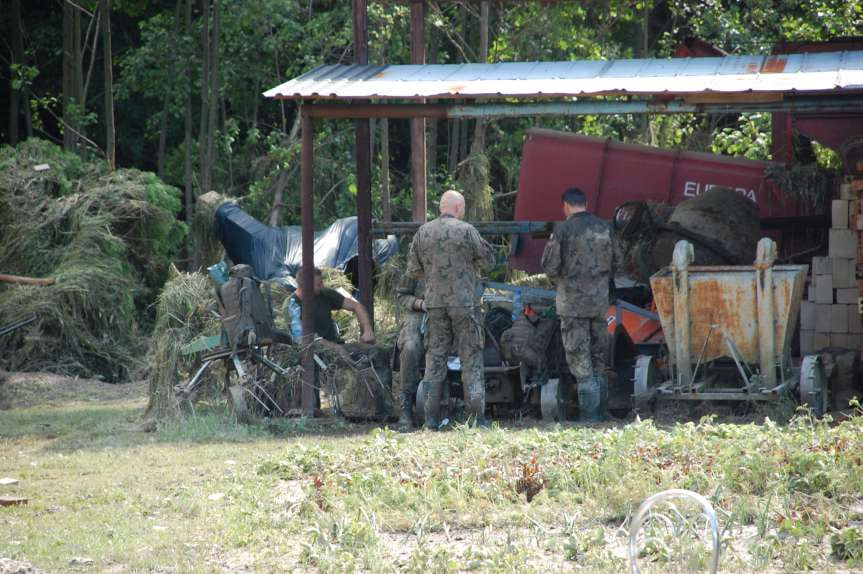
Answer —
275 253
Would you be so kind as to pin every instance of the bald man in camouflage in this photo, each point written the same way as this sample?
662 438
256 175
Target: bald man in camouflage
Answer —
450 255
580 258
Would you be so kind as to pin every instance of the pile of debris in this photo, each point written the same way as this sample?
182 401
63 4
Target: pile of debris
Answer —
100 242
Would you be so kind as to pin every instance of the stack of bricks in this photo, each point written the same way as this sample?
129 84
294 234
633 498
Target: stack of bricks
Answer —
830 317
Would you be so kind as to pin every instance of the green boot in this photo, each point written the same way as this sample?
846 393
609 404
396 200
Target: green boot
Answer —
406 419
589 400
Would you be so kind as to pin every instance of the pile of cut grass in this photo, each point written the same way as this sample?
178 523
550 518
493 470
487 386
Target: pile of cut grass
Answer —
183 313
104 238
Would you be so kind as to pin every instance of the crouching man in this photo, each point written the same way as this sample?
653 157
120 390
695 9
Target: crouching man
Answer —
411 300
326 301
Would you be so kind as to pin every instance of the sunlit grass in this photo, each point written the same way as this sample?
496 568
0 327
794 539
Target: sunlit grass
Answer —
288 495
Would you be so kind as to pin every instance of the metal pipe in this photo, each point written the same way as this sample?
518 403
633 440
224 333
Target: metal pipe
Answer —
706 509
766 256
484 227
308 280
681 259
418 124
572 108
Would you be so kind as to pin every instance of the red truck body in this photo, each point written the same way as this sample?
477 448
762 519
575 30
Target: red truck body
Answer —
611 173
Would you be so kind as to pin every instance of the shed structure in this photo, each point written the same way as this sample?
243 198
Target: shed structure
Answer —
827 82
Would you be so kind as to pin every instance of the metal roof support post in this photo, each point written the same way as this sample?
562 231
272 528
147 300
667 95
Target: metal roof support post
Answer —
766 256
363 155
307 166
418 125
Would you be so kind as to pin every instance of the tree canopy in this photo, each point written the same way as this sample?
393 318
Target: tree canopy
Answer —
187 77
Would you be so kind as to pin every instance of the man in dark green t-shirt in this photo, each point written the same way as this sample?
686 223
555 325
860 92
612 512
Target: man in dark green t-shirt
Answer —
326 301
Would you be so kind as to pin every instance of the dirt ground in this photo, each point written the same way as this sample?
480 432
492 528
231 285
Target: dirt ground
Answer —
22 390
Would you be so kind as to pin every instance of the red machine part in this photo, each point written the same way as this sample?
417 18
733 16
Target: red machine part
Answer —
639 327
611 173
831 130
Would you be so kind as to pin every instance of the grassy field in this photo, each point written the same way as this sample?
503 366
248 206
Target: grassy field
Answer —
108 494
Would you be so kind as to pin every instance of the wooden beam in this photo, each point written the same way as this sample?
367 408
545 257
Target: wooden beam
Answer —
733 98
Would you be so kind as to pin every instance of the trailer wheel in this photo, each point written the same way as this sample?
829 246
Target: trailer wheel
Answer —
420 404
552 401
813 389
644 383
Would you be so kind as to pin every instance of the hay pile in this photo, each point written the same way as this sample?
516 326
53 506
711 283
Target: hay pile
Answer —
105 238
182 315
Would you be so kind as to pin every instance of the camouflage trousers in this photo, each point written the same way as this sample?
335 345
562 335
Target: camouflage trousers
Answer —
460 327
585 342
411 351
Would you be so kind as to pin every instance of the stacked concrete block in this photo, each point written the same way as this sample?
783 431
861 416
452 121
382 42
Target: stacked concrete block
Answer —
830 316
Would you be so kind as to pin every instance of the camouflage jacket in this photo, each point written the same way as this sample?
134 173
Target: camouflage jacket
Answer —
580 258
450 255
408 291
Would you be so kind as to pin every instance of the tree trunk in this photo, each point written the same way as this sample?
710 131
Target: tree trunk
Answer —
78 75
282 181
110 135
432 123
68 73
479 131
385 170
453 148
94 48
204 167
463 140
17 58
215 89
163 118
474 172
187 127
642 49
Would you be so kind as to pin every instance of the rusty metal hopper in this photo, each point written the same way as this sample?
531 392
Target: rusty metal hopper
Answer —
747 313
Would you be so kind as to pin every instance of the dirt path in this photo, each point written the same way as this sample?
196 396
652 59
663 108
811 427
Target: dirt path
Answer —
24 390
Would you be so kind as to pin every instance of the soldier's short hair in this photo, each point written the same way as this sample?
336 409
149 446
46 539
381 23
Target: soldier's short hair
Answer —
575 197
300 274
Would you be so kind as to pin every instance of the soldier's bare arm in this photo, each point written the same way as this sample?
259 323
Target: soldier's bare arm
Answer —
367 332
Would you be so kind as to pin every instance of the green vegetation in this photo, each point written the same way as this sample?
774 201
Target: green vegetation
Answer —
105 238
204 494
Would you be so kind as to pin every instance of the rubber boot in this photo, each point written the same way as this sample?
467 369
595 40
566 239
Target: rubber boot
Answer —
603 397
482 423
589 399
406 419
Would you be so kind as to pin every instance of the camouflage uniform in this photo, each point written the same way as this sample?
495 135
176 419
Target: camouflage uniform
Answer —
410 344
580 258
450 255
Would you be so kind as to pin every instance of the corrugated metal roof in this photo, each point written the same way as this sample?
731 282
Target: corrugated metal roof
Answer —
810 72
